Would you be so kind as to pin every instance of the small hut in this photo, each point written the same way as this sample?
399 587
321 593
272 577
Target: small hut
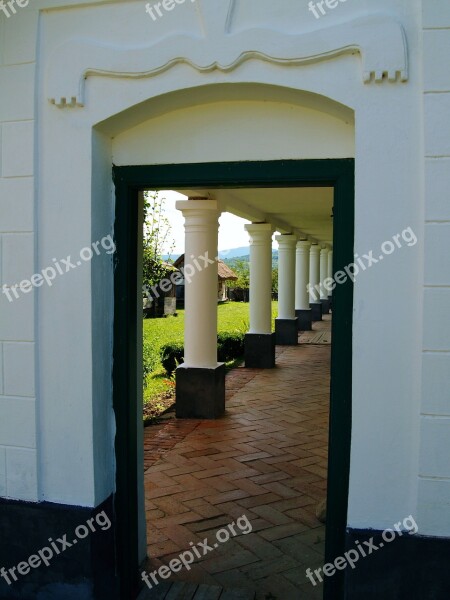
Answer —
224 274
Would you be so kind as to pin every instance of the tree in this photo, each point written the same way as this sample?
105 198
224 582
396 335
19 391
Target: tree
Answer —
241 267
275 281
156 238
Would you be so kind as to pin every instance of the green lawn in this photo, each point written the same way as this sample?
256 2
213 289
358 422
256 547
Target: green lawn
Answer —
232 317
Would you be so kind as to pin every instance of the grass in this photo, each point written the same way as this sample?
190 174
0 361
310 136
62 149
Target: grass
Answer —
159 392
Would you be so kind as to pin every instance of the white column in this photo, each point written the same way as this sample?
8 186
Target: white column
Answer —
286 276
260 277
201 237
330 265
314 273
302 275
323 273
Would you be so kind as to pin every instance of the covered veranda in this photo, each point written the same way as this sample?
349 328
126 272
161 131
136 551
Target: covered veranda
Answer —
303 218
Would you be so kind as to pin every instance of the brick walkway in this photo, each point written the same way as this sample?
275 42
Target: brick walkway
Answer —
266 459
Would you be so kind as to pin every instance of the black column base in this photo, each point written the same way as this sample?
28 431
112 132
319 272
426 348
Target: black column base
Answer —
325 306
316 308
200 393
304 318
410 566
87 570
286 332
260 350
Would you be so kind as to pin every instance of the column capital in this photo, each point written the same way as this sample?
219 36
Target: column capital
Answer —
304 245
200 215
191 207
315 249
287 240
259 232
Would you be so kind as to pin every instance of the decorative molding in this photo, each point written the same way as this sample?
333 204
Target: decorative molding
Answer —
378 38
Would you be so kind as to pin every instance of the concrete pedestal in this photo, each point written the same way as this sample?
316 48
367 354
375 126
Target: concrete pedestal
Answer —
304 319
316 311
260 350
200 392
286 332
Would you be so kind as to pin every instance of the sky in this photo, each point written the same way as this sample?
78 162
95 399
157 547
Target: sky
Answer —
231 231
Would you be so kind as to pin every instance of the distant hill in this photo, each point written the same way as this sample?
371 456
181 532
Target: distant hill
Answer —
246 258
223 254
242 253
234 252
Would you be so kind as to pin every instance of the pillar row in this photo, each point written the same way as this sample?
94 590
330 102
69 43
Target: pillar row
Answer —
200 380
330 275
260 342
314 283
302 309
286 325
323 277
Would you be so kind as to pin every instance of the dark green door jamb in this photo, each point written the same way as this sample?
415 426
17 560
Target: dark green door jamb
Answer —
336 173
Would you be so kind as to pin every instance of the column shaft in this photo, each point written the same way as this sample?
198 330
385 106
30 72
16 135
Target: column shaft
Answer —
260 278
323 272
201 236
330 265
302 275
200 380
260 342
314 282
286 276
302 309
330 276
323 276
286 325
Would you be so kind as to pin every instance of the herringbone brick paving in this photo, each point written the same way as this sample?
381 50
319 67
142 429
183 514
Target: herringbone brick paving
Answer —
266 459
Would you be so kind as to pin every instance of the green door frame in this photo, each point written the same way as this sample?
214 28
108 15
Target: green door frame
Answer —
336 173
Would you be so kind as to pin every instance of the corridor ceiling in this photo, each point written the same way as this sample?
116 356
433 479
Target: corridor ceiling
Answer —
304 211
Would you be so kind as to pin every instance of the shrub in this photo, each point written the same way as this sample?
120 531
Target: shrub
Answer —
172 355
230 346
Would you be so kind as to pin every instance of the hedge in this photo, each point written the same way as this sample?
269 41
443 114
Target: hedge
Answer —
229 347
171 356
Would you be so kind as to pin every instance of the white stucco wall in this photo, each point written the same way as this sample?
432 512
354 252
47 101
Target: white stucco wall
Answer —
18 438
134 120
184 135
434 469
